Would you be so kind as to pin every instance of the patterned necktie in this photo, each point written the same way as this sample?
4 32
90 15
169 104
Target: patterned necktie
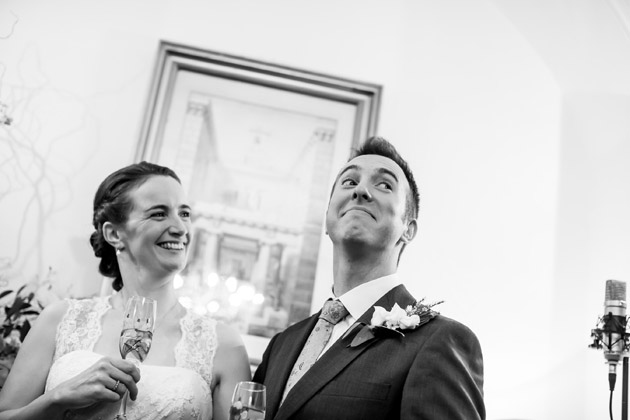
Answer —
332 313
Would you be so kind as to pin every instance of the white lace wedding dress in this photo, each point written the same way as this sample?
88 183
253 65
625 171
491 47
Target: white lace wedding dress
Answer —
178 392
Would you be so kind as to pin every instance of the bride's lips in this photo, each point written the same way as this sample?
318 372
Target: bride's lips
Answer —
173 245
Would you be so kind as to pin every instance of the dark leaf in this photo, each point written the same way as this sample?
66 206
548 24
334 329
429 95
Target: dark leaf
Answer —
31 312
24 330
6 292
17 306
363 336
352 328
387 332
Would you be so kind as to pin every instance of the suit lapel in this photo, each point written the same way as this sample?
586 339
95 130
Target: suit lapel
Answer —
332 362
284 361
322 372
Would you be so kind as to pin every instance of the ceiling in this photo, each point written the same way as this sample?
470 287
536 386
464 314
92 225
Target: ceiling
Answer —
585 43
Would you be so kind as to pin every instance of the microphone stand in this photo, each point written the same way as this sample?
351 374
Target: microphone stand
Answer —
600 341
624 390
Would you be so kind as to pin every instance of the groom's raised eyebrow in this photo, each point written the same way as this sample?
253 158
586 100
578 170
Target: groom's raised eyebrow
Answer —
357 168
352 167
387 172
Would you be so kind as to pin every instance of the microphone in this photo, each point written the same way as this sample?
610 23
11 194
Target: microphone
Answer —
610 333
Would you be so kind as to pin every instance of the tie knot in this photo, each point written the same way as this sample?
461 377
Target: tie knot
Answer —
333 311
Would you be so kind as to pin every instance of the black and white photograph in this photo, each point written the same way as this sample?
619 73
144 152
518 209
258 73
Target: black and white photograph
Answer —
397 210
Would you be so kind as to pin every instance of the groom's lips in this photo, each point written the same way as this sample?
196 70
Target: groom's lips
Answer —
361 209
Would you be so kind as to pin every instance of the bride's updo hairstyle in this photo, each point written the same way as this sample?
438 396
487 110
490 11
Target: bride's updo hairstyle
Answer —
113 203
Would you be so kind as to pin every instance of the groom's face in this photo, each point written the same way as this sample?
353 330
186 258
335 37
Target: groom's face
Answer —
368 203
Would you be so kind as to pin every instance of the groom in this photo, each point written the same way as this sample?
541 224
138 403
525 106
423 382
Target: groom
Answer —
416 365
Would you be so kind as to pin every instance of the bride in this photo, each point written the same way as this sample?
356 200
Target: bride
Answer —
69 365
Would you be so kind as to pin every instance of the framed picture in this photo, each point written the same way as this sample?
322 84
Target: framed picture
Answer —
257 146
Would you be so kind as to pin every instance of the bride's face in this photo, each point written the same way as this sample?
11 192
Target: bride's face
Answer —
157 233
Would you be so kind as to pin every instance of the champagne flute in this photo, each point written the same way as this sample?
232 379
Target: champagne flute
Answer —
136 336
248 401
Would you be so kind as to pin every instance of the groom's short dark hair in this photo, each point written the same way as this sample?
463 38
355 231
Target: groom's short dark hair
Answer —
379 146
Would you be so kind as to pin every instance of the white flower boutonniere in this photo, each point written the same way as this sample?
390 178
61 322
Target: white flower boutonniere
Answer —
396 320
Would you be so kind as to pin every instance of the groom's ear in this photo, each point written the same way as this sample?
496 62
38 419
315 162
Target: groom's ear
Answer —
410 231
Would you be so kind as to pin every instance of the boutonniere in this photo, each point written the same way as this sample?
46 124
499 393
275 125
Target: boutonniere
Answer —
392 323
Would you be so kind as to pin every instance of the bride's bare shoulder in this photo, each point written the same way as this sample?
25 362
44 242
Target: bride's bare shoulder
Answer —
53 312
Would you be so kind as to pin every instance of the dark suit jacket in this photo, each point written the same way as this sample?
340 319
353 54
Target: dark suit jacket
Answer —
434 372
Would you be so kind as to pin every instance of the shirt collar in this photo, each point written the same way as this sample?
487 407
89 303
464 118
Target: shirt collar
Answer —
359 299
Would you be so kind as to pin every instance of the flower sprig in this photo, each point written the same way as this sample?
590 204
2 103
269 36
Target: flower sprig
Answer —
394 321
403 319
16 322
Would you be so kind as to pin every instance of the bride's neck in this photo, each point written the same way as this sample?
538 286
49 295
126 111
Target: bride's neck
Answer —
165 296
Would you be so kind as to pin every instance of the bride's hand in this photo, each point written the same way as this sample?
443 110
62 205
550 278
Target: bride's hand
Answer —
106 380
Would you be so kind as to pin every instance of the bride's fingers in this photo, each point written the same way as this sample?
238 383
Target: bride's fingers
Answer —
114 390
125 372
120 388
125 383
116 386
127 367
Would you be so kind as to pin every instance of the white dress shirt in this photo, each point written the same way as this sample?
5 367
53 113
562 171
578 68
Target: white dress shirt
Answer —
359 300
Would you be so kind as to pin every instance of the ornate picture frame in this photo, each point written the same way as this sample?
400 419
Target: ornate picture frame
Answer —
257 146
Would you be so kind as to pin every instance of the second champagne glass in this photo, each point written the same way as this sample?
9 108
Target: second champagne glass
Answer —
248 402
136 336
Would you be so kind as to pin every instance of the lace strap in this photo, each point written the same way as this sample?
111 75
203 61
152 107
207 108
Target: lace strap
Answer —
80 327
198 344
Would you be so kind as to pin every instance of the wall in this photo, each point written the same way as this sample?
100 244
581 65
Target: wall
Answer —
524 204
593 243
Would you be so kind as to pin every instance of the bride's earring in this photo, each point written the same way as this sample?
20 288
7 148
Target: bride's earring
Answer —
119 250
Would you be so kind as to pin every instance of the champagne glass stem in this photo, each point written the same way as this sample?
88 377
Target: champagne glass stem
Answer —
122 411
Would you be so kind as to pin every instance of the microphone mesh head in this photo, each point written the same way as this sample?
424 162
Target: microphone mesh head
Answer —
615 290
